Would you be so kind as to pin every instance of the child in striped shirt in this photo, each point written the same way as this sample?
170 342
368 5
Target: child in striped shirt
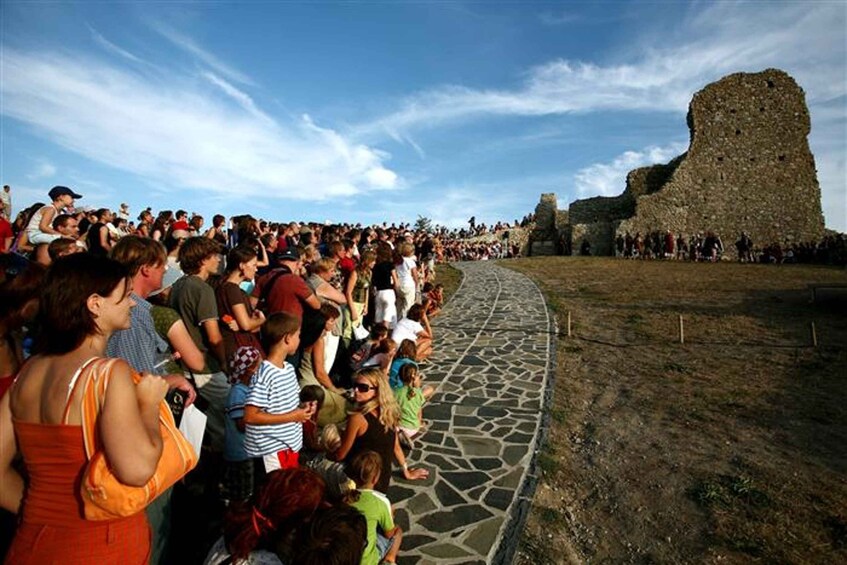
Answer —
273 413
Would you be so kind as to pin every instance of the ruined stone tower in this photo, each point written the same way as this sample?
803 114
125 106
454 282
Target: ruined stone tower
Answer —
748 167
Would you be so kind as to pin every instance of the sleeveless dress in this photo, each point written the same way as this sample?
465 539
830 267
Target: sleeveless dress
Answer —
376 439
53 529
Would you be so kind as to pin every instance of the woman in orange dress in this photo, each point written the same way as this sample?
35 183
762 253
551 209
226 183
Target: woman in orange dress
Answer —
84 300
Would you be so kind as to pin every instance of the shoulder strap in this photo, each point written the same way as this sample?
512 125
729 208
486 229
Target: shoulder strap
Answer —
96 383
266 288
72 387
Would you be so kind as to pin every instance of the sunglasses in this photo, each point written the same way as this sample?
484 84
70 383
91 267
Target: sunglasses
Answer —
364 387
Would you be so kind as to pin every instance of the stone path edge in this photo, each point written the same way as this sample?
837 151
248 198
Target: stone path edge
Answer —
512 530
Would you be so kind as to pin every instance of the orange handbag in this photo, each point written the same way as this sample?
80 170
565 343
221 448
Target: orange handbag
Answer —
104 496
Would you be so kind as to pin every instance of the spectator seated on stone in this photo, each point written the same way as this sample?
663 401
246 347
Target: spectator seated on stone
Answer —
415 327
407 354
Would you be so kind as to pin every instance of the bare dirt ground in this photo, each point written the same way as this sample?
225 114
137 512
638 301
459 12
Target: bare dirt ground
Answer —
730 448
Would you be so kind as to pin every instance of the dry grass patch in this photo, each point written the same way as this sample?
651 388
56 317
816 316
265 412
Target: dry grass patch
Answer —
728 448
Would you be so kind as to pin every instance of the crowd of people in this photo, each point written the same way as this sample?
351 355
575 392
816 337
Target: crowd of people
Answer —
708 246
303 345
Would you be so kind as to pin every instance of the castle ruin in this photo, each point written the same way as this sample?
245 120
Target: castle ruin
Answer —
748 168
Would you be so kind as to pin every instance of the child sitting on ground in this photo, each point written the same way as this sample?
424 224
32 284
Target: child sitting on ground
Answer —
384 537
382 354
317 443
239 470
272 410
378 333
432 297
406 355
411 398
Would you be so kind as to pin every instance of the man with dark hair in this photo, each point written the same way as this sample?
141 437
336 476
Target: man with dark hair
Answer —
67 225
283 290
194 299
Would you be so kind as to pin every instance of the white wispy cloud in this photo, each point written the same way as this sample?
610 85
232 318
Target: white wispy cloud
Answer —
111 47
190 46
805 39
609 179
550 18
180 134
43 170
244 100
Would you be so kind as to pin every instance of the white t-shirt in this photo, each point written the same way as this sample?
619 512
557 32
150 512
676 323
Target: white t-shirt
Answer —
406 329
404 272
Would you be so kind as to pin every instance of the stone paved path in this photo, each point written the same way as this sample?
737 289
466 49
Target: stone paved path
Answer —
491 365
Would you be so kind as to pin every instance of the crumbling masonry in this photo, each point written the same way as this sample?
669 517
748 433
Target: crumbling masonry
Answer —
748 168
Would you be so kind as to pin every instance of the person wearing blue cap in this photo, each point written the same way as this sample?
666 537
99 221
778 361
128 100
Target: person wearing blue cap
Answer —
40 227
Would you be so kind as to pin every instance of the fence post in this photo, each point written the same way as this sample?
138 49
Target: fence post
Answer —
569 323
814 335
681 330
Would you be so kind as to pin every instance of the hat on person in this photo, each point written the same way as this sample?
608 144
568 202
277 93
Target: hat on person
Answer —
172 274
58 191
288 255
304 229
241 361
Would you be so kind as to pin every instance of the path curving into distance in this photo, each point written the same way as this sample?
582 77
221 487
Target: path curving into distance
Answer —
493 365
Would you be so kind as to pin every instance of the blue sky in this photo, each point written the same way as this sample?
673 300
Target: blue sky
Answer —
373 111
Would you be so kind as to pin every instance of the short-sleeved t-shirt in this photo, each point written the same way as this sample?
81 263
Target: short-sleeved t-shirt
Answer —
394 371
376 509
195 301
230 294
163 319
288 293
404 272
409 407
234 438
274 390
406 329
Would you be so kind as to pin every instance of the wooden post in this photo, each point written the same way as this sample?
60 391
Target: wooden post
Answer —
569 323
681 330
814 336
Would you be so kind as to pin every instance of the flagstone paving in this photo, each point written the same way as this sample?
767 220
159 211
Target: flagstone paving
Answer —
492 364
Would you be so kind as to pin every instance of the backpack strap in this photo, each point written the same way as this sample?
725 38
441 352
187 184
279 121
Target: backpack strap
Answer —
266 288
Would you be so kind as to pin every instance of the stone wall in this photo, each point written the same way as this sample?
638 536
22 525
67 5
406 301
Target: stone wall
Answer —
748 168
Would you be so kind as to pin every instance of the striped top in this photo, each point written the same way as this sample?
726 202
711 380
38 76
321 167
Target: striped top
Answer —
273 390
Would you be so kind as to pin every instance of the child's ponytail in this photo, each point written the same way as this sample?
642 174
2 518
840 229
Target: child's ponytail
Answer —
408 372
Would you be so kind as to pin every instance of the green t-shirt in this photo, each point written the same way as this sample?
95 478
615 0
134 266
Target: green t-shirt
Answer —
409 407
194 300
163 319
376 509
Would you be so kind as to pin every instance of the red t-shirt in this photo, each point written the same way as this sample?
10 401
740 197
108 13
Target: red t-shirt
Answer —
346 265
179 225
287 294
5 233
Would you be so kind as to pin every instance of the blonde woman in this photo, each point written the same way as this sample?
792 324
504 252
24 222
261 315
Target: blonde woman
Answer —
373 426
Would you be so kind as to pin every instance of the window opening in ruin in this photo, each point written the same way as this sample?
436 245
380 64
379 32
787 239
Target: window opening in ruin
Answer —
720 159
761 108
770 84
738 132
781 157
732 111
752 159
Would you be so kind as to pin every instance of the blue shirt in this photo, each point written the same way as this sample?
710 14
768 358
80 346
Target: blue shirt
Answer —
140 345
274 390
234 438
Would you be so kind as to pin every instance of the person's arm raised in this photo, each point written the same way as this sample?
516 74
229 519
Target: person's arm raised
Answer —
129 425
